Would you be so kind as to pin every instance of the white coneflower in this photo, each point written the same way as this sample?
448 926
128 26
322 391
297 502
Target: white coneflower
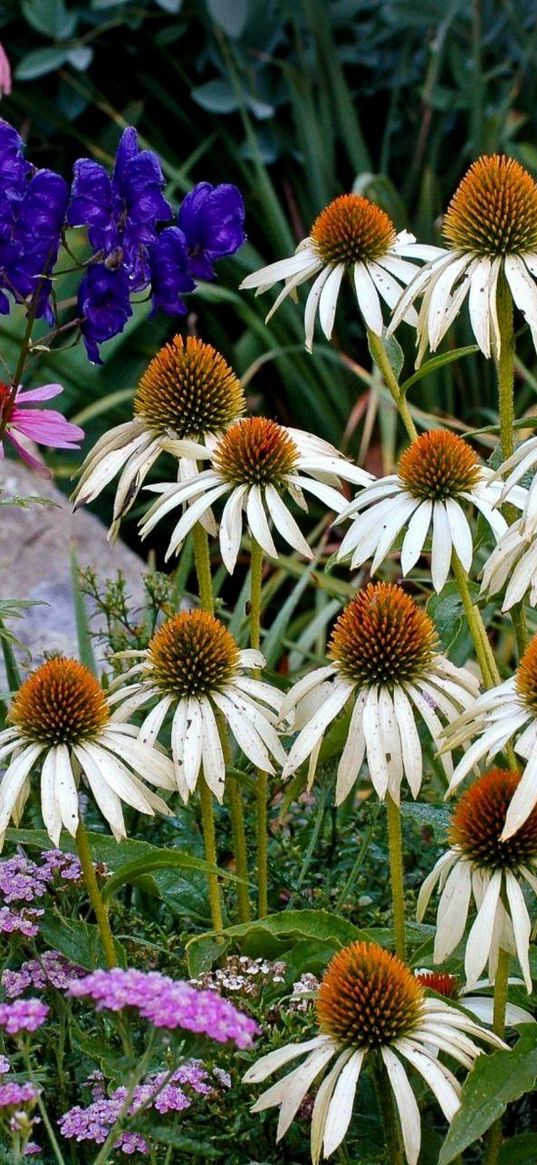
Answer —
188 392
436 475
505 713
371 1008
351 234
482 866
491 232
194 669
385 667
60 719
513 561
522 461
256 463
482 1006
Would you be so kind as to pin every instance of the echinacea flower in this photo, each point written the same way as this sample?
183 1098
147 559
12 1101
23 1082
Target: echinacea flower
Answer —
491 233
513 561
351 234
386 669
256 462
187 392
482 866
481 1006
504 714
44 426
370 1007
194 668
521 462
60 718
437 473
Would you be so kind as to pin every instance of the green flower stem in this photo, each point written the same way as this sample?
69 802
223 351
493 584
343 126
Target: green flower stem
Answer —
483 650
236 813
395 847
94 894
256 580
41 1106
505 366
209 841
505 369
386 1105
203 567
379 354
501 984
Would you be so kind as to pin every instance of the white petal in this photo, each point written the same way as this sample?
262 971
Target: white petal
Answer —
340 1110
304 686
329 298
296 1089
376 759
49 808
523 800
480 937
434 1075
312 304
441 548
285 523
257 521
523 290
192 515
152 765
214 765
113 772
65 789
322 1102
245 734
13 781
441 300
107 800
368 299
231 527
415 536
453 910
193 743
274 1060
409 1113
521 926
153 722
389 289
410 741
461 535
314 730
443 864
284 268
479 303
353 753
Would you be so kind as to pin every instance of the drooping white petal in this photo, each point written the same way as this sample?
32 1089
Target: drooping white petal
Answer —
231 527
372 730
245 734
461 535
353 752
523 800
329 298
339 1113
153 722
410 741
65 789
107 800
368 298
407 1107
312 303
435 1076
314 730
297 1087
389 289
391 743
480 936
49 809
415 536
257 521
152 765
442 547
434 724
285 523
523 290
442 866
265 277
192 515
479 303
275 1060
112 771
453 910
177 737
322 1102
521 926
193 742
302 688
13 781
214 765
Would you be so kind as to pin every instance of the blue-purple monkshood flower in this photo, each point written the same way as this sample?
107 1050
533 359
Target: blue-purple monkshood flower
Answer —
14 169
170 275
103 306
121 211
212 221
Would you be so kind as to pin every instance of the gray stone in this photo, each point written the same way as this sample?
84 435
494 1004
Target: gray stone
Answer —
35 549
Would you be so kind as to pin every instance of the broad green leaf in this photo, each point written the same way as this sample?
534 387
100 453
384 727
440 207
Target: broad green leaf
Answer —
495 1081
438 362
163 859
78 941
269 936
80 57
217 96
170 1135
230 15
50 17
520 1150
40 62
394 353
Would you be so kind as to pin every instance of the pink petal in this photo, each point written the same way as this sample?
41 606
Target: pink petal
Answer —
44 393
5 73
33 462
47 427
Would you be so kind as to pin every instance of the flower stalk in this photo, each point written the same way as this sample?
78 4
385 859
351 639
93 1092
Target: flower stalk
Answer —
256 580
99 909
395 849
380 356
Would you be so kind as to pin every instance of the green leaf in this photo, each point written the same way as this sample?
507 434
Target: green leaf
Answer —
168 1135
217 96
269 936
519 1150
78 941
163 859
395 354
80 57
435 817
447 612
40 62
438 362
494 1082
50 17
230 15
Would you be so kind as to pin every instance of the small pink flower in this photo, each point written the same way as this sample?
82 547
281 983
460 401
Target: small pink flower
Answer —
44 426
5 73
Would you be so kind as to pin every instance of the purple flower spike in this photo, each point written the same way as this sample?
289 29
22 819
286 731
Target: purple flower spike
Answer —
170 274
25 1015
104 305
167 1004
212 220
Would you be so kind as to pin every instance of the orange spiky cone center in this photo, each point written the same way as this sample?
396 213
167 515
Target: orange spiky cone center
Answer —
256 451
439 465
382 637
188 390
494 209
440 981
351 229
526 678
478 822
368 997
60 703
192 654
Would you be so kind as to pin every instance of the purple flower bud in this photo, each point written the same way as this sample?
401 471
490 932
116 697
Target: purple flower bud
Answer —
170 274
104 306
212 221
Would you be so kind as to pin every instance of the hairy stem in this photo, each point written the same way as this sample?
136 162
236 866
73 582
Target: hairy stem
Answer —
483 650
395 846
209 841
501 984
203 567
380 356
99 909
256 579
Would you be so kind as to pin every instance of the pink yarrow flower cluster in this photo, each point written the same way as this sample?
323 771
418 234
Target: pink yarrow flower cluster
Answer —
12 1094
25 1015
52 969
25 425
24 921
167 1004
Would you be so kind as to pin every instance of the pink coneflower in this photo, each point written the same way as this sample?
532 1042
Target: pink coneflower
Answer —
45 426
5 73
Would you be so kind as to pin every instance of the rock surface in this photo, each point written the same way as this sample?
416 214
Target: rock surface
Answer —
35 550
